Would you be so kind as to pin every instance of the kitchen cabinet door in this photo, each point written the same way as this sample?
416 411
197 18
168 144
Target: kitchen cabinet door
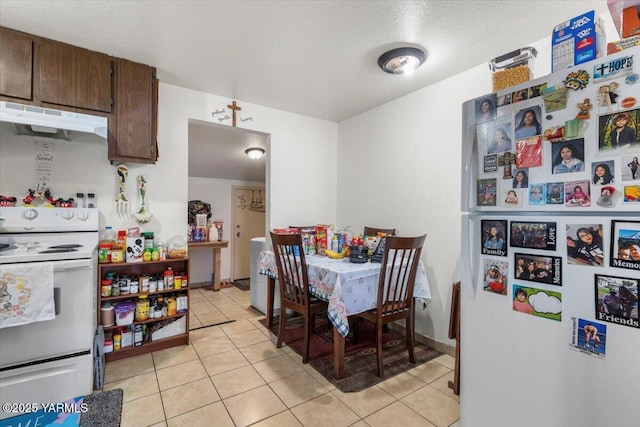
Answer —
134 126
72 76
16 59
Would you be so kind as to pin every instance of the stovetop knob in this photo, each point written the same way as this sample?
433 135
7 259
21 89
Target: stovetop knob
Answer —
30 214
67 214
82 216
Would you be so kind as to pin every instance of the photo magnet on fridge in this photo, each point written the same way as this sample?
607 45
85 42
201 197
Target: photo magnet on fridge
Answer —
537 302
589 337
617 300
486 108
584 244
538 268
625 244
494 237
631 167
618 133
533 235
495 276
487 191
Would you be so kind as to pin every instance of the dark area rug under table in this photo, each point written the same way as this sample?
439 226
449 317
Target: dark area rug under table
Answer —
360 359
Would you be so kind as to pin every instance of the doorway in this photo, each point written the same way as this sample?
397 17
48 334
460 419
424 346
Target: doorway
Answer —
218 164
248 220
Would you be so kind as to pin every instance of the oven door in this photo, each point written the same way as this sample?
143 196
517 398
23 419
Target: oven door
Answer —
72 330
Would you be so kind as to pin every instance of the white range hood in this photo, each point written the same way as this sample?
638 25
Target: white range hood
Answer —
47 122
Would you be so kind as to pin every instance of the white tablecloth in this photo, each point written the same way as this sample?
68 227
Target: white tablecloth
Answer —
350 288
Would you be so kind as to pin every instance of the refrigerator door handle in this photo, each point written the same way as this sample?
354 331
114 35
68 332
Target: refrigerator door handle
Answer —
469 152
469 280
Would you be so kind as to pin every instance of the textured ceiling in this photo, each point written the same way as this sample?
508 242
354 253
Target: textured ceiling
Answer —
315 58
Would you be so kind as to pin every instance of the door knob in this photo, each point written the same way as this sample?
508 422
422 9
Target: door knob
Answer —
238 234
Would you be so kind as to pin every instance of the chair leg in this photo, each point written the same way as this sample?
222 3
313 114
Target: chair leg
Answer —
307 338
410 343
354 329
283 315
379 348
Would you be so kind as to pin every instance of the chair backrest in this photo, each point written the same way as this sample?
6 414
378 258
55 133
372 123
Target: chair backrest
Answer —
398 273
292 268
372 231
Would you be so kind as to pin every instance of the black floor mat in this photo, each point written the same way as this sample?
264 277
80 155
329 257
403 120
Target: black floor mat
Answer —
242 284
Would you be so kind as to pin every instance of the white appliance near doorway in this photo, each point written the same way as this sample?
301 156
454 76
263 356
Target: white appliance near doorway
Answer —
258 291
51 361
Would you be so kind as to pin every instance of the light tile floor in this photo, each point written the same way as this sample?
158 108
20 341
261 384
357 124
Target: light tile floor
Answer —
232 374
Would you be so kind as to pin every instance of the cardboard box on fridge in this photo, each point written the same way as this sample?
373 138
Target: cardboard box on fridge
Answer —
630 21
629 42
578 40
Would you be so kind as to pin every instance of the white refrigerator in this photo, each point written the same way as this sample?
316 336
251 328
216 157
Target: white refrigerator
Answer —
550 334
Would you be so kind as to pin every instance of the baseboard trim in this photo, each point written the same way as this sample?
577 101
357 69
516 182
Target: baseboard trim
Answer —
438 346
203 284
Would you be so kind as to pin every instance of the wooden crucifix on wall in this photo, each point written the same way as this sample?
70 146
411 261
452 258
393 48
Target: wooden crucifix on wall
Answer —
234 107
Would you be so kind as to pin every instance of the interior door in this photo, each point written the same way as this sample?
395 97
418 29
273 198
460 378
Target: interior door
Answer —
248 222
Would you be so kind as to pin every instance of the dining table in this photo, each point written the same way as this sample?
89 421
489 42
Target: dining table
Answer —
350 288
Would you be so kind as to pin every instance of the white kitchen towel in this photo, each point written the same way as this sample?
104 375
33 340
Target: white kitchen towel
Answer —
26 293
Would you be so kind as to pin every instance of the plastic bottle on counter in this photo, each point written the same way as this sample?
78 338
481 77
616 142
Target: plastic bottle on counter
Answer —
162 250
108 235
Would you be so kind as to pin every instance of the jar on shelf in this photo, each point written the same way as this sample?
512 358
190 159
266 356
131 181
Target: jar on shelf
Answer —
105 289
142 308
172 307
117 255
104 253
107 315
144 280
168 278
148 239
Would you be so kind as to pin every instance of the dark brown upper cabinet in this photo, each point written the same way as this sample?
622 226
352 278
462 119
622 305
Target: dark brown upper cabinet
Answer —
72 76
132 133
39 71
16 62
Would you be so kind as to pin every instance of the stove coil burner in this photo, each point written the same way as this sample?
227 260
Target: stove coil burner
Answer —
67 246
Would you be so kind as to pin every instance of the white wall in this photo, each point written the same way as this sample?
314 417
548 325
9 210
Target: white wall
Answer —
301 167
218 193
408 176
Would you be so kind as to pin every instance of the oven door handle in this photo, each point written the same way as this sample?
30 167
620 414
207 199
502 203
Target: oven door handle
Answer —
76 264
56 300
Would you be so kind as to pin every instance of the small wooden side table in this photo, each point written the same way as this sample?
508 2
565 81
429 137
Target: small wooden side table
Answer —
216 246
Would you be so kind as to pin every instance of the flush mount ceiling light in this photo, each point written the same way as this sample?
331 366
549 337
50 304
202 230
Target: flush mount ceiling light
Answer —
255 152
403 60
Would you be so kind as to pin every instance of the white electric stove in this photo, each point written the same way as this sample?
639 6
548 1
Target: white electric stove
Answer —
51 361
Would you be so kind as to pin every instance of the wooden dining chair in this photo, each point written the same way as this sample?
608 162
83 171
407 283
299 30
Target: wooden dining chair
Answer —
372 231
395 290
294 286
